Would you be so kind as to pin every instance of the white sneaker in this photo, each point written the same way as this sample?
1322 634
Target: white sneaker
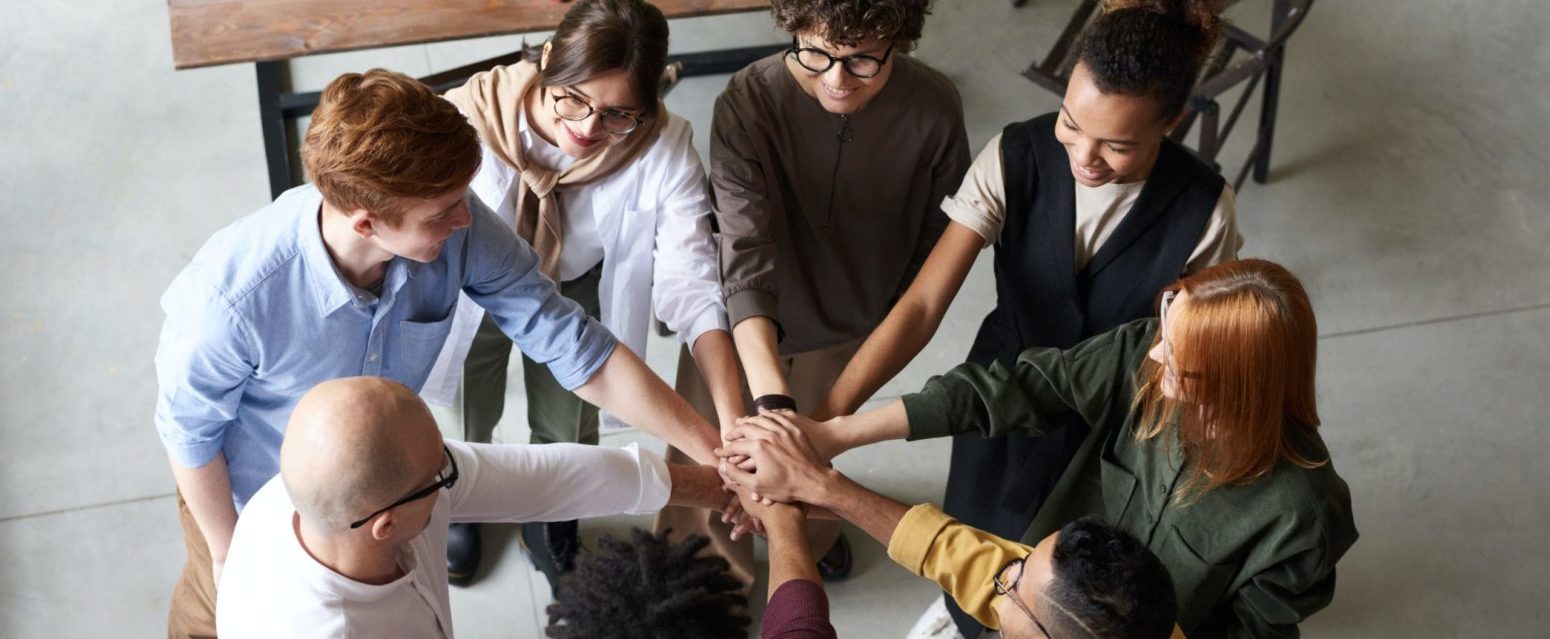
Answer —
936 623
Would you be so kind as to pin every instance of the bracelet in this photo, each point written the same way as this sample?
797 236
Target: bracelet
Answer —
774 402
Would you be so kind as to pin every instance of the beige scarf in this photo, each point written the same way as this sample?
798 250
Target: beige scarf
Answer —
492 100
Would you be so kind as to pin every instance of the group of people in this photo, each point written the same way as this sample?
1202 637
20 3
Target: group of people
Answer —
1135 447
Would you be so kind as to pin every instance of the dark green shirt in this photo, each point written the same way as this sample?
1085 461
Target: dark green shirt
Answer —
1247 561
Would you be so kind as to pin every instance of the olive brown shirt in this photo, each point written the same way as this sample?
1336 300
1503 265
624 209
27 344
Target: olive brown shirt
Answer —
1249 560
824 219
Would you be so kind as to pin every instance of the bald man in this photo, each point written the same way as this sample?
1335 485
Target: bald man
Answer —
350 539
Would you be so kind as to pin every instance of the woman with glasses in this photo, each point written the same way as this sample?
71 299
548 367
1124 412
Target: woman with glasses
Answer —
1203 443
1091 210
584 160
828 165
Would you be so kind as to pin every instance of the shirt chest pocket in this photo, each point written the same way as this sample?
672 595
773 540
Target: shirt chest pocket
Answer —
1119 495
418 345
1200 584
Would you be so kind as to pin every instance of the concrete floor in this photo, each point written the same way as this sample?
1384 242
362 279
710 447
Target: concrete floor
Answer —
1407 192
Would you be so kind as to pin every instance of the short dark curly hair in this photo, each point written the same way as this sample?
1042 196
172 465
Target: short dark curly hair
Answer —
1151 48
847 22
649 588
1108 584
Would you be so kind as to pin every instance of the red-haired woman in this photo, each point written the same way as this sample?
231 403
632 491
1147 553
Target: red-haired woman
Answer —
1092 209
1203 443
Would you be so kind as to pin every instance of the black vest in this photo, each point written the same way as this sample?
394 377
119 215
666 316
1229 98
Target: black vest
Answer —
1041 300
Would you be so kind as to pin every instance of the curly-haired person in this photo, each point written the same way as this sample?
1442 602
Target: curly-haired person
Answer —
649 587
357 273
829 162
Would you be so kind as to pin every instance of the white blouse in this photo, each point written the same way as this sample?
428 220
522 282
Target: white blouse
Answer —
653 222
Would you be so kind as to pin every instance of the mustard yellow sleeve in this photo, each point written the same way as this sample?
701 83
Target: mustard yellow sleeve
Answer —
961 559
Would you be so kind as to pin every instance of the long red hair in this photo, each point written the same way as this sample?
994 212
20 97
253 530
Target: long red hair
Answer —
1245 344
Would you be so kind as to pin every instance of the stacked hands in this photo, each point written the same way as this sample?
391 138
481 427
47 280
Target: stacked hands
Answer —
775 457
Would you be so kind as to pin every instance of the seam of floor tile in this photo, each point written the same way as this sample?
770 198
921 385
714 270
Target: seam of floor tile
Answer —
1435 320
75 509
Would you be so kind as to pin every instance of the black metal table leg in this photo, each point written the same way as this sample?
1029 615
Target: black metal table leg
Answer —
277 148
1267 116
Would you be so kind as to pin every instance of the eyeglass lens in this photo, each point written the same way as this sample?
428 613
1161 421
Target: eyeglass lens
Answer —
818 61
574 109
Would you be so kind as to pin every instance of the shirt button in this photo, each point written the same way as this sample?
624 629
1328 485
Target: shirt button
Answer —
373 357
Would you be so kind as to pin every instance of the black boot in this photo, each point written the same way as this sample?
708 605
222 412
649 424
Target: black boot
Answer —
463 551
835 565
552 546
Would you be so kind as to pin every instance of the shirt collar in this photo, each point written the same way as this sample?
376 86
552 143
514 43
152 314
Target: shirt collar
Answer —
326 580
328 287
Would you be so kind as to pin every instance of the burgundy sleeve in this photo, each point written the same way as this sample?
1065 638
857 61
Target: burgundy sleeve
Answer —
799 610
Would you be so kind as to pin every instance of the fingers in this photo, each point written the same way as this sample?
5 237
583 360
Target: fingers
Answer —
783 420
733 510
739 476
752 428
741 448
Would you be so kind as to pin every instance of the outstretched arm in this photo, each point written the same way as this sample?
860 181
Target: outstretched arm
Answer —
634 394
909 326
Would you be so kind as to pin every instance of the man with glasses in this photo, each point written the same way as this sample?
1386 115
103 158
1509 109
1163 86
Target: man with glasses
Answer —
1086 580
349 540
357 273
828 165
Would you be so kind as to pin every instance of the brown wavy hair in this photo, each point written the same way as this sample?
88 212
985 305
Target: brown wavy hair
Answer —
847 22
380 139
1151 48
1245 343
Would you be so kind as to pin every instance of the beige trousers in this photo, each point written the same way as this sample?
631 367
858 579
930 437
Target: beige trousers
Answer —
193 598
809 375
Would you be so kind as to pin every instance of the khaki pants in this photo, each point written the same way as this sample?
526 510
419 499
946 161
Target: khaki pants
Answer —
809 375
193 598
554 414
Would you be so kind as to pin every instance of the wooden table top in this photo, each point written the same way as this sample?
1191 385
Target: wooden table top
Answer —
210 32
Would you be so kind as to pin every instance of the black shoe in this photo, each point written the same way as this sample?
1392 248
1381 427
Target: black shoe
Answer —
835 564
552 547
463 551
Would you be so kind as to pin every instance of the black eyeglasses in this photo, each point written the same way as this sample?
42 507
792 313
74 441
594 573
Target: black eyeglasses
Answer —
819 61
444 479
575 109
1010 590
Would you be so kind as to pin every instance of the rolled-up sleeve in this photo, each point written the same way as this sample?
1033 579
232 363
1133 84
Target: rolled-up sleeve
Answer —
686 282
202 364
980 203
501 274
961 559
745 215
1221 241
554 482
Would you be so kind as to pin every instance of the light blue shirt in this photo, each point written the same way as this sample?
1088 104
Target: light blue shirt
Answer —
261 315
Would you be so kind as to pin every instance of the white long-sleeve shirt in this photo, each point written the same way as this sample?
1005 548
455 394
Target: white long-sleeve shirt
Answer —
652 220
272 588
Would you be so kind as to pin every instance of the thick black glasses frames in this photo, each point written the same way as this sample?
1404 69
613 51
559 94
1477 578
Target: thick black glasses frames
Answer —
442 481
819 61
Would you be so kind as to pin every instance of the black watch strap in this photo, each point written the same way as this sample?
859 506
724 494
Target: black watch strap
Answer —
774 402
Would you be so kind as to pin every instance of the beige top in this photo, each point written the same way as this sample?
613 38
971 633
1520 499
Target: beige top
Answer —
980 204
